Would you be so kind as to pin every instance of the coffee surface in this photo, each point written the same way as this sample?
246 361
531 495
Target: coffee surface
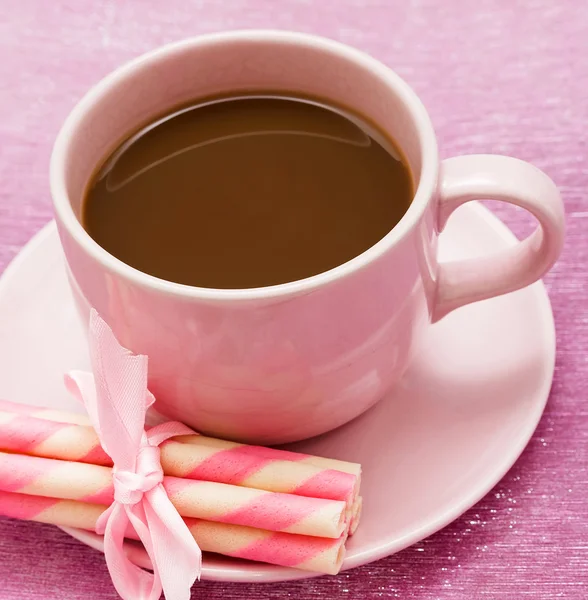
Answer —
247 192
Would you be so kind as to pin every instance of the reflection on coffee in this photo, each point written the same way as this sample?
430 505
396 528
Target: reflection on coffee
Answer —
250 191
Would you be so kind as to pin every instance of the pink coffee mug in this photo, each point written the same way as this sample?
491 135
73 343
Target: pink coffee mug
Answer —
286 362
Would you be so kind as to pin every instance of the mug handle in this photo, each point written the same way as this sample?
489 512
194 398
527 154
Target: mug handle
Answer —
491 177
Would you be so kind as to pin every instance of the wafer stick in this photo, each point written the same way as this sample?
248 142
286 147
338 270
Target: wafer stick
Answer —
355 516
199 457
321 555
201 499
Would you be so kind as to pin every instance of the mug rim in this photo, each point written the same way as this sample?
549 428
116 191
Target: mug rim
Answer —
424 191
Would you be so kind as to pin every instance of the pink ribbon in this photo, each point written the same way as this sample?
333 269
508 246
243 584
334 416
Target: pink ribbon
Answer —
116 398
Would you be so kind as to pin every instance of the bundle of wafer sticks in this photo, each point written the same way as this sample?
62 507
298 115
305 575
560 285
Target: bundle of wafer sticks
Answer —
262 504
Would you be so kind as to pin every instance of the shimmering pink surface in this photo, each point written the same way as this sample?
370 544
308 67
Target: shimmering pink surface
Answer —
496 76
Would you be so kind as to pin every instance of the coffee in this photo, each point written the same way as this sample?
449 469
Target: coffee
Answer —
249 191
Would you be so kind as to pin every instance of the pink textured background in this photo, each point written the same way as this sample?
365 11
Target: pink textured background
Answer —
506 76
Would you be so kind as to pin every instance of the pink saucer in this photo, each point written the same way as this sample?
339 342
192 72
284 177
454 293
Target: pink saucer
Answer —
430 450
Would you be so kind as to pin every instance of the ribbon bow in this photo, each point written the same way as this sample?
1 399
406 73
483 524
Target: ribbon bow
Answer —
116 398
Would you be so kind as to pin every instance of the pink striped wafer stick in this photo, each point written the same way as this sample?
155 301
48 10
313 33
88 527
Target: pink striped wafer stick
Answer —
31 434
257 467
273 453
201 499
200 440
321 555
203 458
41 412
355 515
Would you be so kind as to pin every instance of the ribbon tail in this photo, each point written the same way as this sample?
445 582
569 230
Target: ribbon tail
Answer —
178 557
103 519
80 385
120 379
130 581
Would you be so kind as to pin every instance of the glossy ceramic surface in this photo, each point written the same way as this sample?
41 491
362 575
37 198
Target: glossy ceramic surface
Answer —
286 362
433 447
